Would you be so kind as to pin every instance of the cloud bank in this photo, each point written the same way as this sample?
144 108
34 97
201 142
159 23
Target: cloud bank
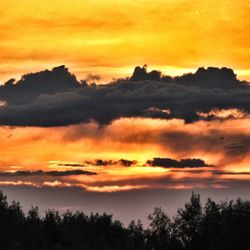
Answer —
56 98
48 173
155 162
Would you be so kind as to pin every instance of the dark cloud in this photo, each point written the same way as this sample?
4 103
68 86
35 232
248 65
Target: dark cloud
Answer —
100 162
126 163
141 74
70 165
55 98
32 85
122 162
43 173
171 163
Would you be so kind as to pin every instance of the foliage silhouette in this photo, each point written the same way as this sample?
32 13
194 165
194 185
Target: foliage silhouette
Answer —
214 226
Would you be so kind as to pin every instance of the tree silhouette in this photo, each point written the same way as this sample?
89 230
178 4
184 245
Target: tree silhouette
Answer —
188 221
214 226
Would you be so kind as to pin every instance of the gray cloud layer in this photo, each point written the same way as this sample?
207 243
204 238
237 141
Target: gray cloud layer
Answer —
48 173
56 98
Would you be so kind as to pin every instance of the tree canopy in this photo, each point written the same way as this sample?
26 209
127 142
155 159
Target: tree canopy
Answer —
212 226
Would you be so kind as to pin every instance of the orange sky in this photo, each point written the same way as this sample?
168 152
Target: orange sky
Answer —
138 139
111 37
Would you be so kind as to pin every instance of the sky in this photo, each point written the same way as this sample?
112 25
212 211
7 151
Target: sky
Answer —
110 37
81 128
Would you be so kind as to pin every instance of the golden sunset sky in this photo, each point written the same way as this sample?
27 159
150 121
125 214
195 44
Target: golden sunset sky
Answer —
111 37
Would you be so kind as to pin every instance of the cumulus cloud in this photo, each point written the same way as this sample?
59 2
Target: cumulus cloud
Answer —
55 97
171 163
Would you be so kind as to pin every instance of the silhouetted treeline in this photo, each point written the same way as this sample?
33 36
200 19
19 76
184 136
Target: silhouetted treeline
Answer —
214 226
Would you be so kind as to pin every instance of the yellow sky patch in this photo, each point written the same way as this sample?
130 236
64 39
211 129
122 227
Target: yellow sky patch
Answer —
106 35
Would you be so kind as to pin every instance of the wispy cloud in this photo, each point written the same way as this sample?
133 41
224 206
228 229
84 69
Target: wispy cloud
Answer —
43 173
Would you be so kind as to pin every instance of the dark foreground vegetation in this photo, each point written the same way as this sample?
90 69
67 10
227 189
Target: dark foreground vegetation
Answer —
214 226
